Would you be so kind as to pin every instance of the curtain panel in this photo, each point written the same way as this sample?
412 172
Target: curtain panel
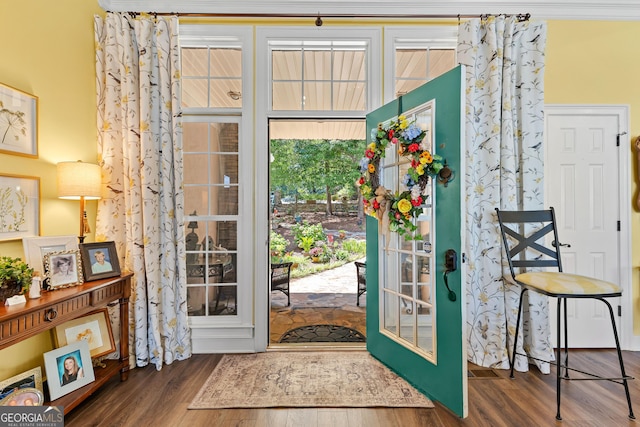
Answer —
140 152
504 125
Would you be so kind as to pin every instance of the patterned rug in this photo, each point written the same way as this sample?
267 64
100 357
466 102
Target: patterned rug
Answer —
305 379
322 333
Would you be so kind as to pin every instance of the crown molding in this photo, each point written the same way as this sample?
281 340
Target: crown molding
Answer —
615 10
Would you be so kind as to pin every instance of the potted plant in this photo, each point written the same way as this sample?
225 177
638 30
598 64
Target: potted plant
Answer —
15 277
315 253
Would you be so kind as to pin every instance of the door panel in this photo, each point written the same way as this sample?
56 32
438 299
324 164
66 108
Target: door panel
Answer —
582 165
444 378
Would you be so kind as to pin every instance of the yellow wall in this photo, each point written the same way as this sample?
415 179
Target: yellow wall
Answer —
48 51
590 63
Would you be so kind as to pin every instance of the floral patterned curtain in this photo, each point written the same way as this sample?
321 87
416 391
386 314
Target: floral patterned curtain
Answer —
140 150
504 124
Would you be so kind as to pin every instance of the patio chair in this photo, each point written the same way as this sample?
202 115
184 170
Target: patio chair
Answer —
361 269
280 274
523 236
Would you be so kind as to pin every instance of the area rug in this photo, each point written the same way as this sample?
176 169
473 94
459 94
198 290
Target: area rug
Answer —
305 379
322 333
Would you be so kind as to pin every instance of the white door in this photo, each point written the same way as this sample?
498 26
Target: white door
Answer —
582 164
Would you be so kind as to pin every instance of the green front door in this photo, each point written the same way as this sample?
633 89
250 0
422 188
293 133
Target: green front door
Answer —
415 315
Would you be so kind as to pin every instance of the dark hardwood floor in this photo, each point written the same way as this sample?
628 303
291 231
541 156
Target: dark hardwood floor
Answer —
160 398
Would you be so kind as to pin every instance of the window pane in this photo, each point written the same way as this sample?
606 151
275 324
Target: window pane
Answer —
226 63
317 65
194 137
349 65
441 61
425 328
224 137
223 201
196 298
349 96
317 96
194 62
224 169
195 168
411 63
226 93
196 199
194 93
287 65
406 320
287 96
222 300
390 312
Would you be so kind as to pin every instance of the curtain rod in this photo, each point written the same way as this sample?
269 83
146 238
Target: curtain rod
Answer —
521 16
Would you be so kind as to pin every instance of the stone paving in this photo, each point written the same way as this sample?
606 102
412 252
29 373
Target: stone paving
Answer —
327 298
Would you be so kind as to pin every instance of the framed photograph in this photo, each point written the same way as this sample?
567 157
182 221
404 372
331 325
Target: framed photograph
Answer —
19 206
94 328
63 269
99 260
18 122
35 248
68 368
26 380
24 397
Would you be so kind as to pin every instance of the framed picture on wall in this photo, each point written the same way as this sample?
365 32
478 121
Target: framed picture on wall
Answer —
99 260
19 206
18 122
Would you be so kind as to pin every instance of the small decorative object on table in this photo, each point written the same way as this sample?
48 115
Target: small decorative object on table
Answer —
15 277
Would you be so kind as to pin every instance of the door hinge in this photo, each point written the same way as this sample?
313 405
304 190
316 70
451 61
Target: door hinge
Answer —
618 225
619 311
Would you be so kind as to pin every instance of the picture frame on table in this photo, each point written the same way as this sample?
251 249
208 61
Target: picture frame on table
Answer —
68 368
18 122
95 328
63 269
24 397
19 206
35 248
26 380
99 260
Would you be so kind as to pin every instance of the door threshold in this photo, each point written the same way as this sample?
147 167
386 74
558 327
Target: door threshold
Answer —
320 346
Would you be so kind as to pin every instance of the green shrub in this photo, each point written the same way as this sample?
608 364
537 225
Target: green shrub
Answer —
277 244
308 235
354 246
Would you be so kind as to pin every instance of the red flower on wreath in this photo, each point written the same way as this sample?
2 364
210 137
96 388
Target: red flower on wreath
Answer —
416 202
414 147
369 154
376 205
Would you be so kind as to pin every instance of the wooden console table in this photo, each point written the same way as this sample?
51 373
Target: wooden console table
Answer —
53 308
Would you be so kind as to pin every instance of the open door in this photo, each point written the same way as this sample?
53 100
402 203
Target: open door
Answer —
418 328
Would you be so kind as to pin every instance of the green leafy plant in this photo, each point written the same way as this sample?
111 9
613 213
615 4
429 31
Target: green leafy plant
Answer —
14 270
308 233
277 244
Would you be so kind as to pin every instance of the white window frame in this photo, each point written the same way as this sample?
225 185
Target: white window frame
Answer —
215 334
420 37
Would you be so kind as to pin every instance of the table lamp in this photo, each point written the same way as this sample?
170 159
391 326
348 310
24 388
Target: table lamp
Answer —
79 181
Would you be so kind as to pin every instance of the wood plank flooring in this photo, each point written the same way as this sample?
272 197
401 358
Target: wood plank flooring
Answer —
160 398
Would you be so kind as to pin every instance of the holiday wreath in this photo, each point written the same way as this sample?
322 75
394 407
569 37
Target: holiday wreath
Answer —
403 206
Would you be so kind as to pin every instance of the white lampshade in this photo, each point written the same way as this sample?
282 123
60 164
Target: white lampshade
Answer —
78 179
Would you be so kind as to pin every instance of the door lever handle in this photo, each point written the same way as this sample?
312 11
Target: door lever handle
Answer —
558 244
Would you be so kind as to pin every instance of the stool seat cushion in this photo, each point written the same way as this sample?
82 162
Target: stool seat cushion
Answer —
553 282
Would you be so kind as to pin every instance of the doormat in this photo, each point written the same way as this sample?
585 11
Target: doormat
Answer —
351 379
322 333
